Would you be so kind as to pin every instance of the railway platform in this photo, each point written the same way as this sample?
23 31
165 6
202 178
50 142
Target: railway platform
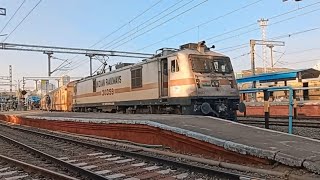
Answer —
206 135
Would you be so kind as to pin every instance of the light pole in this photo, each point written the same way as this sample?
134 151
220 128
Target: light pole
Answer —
3 34
18 94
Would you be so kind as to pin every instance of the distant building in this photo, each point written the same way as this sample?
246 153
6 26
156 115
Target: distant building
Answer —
64 80
45 86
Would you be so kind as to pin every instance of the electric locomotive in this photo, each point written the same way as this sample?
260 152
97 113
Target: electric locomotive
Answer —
190 80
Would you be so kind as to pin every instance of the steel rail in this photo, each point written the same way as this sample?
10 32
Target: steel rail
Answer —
282 123
71 167
32 168
136 154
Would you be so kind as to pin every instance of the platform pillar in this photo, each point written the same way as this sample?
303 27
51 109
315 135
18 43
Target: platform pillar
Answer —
266 108
295 112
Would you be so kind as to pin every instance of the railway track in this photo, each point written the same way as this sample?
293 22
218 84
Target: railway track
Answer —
12 169
80 159
308 124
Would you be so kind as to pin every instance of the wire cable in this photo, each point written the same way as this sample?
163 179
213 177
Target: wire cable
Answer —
245 45
136 30
234 30
121 27
12 16
161 24
271 24
201 24
115 31
76 66
21 21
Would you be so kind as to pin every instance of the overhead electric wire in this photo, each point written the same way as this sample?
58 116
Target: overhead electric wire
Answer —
136 29
118 29
302 51
201 24
273 17
21 21
299 62
121 27
243 27
17 10
245 45
278 22
161 24
126 35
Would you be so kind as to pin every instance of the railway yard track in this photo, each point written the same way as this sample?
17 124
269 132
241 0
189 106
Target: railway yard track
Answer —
46 155
296 123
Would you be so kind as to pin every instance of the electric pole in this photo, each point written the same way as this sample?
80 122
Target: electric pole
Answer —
271 55
90 61
263 25
10 77
49 61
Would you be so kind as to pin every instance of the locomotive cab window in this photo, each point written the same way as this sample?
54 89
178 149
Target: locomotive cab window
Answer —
136 78
209 64
174 66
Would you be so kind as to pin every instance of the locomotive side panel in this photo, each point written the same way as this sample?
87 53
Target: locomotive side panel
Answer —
139 82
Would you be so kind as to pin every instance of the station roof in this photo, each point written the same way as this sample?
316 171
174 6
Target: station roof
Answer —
282 76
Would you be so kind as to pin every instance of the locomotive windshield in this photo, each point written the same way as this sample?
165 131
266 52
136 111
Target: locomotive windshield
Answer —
207 64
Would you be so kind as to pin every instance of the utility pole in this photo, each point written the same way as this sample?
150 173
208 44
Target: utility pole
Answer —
271 55
253 66
90 58
18 95
10 77
253 43
36 81
263 25
49 53
23 83
269 44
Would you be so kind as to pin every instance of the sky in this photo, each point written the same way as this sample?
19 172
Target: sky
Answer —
148 25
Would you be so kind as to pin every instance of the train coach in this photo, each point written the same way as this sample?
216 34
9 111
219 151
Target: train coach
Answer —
61 99
190 80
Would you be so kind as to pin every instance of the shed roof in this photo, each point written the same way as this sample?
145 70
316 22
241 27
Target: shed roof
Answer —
282 76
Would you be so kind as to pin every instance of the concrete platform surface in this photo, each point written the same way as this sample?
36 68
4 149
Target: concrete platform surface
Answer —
288 149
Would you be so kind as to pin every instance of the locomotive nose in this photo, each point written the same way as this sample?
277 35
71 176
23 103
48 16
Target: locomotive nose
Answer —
206 108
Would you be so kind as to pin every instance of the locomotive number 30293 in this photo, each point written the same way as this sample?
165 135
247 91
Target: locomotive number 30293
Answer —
107 92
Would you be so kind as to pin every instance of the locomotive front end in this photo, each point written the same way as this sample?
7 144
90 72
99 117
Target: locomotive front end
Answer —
216 89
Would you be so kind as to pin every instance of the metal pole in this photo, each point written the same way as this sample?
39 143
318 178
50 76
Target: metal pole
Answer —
36 85
10 77
18 106
23 83
253 66
271 56
90 56
49 65
49 62
295 112
290 109
266 108
263 25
